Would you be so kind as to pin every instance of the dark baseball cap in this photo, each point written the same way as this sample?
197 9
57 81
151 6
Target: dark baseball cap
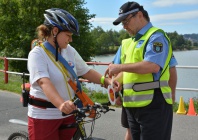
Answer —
126 9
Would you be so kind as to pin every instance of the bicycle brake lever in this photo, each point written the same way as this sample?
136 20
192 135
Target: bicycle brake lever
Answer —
82 113
76 101
106 110
107 104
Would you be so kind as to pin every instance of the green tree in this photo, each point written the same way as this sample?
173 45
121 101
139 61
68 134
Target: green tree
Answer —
19 19
195 44
96 33
116 38
123 35
105 42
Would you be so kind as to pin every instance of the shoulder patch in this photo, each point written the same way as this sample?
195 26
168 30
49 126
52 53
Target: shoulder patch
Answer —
157 47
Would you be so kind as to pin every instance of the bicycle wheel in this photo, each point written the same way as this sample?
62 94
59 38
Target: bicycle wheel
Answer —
21 135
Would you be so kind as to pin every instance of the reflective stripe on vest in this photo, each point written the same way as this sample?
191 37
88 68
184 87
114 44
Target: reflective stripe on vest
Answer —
143 97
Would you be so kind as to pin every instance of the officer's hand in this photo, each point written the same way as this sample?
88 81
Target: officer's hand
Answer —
106 72
115 69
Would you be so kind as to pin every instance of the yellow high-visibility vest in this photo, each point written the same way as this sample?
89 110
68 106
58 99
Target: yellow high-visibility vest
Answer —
139 88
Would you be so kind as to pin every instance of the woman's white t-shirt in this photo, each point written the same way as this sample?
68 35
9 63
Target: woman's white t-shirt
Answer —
39 66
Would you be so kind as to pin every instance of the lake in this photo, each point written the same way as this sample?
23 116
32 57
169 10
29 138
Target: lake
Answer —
187 78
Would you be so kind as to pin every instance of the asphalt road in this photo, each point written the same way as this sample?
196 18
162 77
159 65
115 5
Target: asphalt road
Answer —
106 128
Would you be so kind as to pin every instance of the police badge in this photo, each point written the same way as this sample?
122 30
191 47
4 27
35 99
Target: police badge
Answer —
157 47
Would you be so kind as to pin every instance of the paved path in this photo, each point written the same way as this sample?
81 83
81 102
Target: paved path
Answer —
106 128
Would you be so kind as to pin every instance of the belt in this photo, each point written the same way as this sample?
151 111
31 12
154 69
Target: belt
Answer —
40 103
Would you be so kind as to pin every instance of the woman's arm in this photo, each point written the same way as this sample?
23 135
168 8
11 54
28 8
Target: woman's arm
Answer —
54 97
95 77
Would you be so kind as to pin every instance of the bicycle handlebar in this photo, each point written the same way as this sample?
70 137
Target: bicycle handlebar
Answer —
81 112
91 111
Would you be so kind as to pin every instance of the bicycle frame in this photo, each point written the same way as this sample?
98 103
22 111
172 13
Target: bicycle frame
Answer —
81 127
80 132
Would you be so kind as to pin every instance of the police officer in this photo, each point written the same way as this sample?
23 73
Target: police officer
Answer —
118 59
145 75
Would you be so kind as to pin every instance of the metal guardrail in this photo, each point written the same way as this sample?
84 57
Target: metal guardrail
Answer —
187 89
188 67
6 72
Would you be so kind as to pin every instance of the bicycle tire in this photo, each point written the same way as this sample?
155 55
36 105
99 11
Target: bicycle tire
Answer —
20 135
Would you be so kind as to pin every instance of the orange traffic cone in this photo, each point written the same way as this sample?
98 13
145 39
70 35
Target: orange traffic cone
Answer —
191 109
181 109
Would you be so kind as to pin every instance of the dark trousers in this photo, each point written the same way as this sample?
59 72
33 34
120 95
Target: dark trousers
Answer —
153 122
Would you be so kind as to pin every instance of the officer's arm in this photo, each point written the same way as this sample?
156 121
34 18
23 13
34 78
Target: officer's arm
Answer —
142 67
173 81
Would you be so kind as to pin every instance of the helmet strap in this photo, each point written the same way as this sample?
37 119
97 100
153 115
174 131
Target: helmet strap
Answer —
56 44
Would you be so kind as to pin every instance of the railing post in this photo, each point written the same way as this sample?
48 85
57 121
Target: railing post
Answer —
5 70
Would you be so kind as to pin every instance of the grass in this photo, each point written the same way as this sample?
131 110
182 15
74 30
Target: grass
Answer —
15 82
13 85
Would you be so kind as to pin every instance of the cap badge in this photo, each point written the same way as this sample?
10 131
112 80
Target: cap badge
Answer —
120 11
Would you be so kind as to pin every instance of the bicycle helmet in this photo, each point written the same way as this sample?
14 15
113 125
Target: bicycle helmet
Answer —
62 19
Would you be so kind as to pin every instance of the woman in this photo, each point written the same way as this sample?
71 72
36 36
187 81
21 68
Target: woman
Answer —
50 93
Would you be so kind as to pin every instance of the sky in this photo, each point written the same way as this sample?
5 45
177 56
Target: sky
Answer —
170 15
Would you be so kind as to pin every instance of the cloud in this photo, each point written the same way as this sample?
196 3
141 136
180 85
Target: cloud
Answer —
171 23
165 3
154 18
182 22
176 16
102 20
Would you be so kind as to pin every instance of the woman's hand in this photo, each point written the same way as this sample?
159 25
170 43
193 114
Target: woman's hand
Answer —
67 107
117 86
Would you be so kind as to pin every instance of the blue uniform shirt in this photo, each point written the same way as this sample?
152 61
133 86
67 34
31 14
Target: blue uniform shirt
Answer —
116 59
151 55
173 62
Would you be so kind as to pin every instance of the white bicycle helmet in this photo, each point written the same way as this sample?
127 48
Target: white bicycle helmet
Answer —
62 20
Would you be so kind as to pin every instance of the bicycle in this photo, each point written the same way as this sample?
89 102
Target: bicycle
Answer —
81 114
